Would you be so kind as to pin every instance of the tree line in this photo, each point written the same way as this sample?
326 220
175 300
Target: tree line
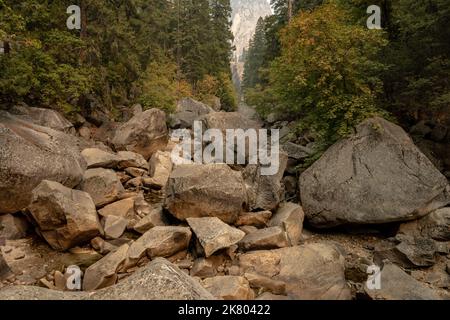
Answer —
321 66
127 51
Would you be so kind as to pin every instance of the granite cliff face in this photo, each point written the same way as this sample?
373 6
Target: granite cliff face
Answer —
245 16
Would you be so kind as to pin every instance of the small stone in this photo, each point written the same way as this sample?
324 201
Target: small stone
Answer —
136 172
229 288
19 256
114 226
102 246
270 238
60 281
214 234
256 219
259 281
46 284
206 267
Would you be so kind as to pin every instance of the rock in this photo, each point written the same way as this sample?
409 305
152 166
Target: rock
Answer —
397 285
269 238
229 120
256 219
160 242
214 234
267 296
267 284
26 150
319 276
421 129
229 288
81 257
206 267
103 185
5 271
43 117
438 133
136 172
103 273
96 158
145 133
248 229
114 226
265 192
65 217
102 246
212 190
13 227
375 176
155 218
410 252
435 226
290 186
160 169
296 151
123 208
129 159
188 111
135 183
289 217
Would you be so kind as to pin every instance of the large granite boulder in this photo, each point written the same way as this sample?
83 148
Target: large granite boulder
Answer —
376 175
188 110
145 133
212 190
29 154
65 217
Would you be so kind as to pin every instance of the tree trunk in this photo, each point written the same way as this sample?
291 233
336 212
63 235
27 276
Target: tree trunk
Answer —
290 9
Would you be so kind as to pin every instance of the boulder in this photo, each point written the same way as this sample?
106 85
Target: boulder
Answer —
256 219
296 151
96 158
65 217
30 154
43 117
13 227
214 234
205 267
129 159
145 133
376 175
229 288
289 217
398 285
188 111
268 238
319 276
212 190
229 120
106 132
103 273
435 226
160 242
160 169
5 271
265 192
103 185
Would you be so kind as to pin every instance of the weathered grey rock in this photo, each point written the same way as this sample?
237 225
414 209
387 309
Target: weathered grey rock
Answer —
310 272
13 227
102 246
123 208
212 190
296 151
103 273
30 154
265 192
289 217
103 185
268 238
114 226
188 110
155 218
96 158
145 133
4 268
160 242
375 176
229 288
229 120
159 280
65 217
397 285
205 267
256 219
43 117
128 159
435 226
160 169
214 234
